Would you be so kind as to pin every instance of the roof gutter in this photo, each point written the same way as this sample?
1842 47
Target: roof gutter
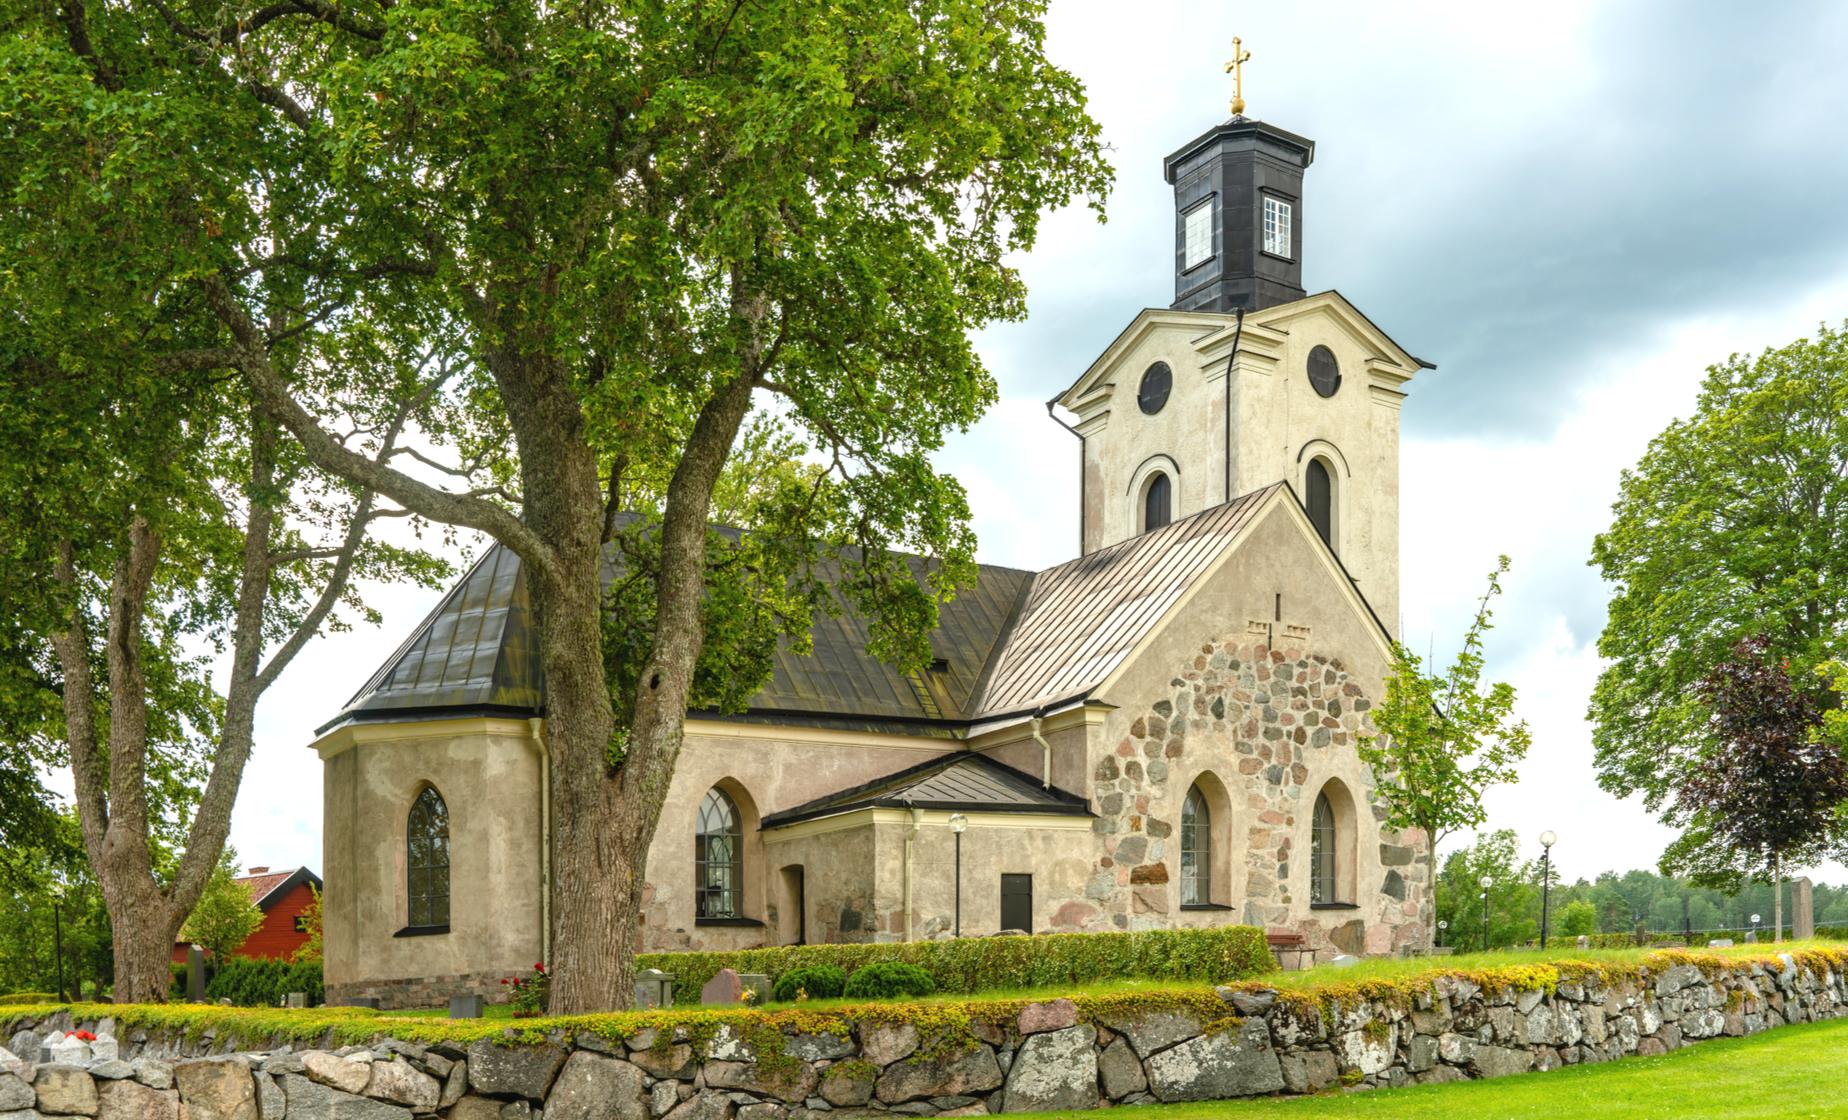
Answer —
1081 470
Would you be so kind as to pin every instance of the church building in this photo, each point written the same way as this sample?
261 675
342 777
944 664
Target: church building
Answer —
1159 733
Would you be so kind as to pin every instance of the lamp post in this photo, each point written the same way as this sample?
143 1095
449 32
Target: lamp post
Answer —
57 934
1547 840
1442 925
1486 883
958 822
1754 928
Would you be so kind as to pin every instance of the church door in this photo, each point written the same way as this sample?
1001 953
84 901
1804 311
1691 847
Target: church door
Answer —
1017 902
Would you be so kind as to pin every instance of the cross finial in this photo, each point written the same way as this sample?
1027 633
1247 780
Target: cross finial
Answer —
1240 56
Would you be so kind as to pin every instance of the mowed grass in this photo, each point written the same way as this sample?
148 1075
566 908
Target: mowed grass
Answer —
1791 1073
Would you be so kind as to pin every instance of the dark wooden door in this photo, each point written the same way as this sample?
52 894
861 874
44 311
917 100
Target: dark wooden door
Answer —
1017 902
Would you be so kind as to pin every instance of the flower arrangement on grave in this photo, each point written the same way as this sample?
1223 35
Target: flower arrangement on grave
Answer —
84 1036
528 994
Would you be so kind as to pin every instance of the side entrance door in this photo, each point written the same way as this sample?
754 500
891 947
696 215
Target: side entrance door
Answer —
1017 902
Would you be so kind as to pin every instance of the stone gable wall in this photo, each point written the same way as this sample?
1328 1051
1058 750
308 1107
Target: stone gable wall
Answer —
1014 1056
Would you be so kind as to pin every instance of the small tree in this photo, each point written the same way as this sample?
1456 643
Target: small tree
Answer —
225 915
1770 786
1578 918
310 951
1441 741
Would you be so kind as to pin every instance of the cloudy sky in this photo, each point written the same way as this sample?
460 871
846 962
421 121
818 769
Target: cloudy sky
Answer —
1571 211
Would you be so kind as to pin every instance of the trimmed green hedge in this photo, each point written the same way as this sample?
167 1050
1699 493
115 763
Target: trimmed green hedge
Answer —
966 966
254 982
27 997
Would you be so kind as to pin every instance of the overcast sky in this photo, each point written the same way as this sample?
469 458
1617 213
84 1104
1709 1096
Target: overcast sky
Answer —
1571 211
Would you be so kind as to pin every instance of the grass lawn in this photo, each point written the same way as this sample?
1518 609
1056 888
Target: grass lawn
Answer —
1791 1073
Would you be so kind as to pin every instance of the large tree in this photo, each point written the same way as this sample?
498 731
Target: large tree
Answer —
168 548
1734 523
1443 739
646 222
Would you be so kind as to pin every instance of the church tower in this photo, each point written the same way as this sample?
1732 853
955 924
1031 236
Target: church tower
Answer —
1245 380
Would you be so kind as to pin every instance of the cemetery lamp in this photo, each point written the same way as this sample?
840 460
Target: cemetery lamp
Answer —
1442 925
1755 920
1486 884
1547 840
958 822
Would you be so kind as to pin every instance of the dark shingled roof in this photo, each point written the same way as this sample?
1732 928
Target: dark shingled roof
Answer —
1015 643
962 781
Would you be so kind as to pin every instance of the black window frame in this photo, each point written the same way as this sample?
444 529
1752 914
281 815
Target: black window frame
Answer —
427 861
1324 840
1163 487
1320 506
1196 848
718 859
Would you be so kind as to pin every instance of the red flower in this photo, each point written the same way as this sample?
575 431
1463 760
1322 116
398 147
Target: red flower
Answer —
540 967
503 979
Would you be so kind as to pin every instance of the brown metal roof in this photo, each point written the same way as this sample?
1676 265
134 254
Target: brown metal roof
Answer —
960 781
1014 642
1084 617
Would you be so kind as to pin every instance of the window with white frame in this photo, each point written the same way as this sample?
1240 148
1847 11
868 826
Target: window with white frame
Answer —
1198 226
1276 226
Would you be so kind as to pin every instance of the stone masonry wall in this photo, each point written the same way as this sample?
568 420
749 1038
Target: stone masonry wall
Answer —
1270 724
420 991
1059 1054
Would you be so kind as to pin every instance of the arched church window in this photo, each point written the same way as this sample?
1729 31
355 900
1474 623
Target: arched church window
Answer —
1319 499
718 858
1322 849
426 866
1157 503
1196 849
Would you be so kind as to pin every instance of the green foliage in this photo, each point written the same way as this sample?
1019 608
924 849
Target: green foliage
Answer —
889 980
528 992
822 981
1577 918
1728 526
1513 912
28 997
976 964
1441 741
262 982
226 915
310 950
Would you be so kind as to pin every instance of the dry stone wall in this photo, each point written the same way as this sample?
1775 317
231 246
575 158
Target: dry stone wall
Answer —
1011 1057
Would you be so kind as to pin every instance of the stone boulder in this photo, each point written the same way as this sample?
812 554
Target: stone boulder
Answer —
849 1084
973 1070
1054 1015
590 1087
1121 1071
789 1081
130 1100
217 1089
311 1100
1218 1065
65 1089
402 1083
885 1043
1153 1031
1054 1071
1499 1061
674 1060
476 1108
514 1071
15 1093
349 1075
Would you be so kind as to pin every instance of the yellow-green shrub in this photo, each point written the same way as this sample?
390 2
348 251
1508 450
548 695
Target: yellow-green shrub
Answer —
970 965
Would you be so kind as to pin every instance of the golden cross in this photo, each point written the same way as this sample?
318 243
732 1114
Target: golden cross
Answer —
1240 56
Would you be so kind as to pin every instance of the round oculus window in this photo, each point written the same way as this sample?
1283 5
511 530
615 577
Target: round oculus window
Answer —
1324 371
1157 380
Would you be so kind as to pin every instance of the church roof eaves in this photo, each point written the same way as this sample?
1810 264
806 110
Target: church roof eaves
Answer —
961 781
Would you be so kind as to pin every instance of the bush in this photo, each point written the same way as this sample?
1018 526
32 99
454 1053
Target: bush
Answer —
969 965
259 982
888 980
822 981
15 998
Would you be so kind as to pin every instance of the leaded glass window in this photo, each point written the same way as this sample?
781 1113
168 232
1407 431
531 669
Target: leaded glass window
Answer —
1322 852
1319 499
426 866
1196 850
1198 224
718 858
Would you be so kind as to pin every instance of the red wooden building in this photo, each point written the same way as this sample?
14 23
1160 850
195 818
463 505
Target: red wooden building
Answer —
284 897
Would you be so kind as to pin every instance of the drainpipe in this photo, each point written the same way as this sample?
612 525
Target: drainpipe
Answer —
1045 754
536 727
917 819
1238 334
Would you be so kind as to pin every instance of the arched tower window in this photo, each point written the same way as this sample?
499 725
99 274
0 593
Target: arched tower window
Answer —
1322 851
426 866
1196 849
1319 499
718 858
1157 503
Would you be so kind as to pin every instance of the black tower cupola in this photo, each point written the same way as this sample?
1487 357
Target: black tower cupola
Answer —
1238 217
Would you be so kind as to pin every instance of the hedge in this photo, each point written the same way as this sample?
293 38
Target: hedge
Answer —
27 997
969 965
255 982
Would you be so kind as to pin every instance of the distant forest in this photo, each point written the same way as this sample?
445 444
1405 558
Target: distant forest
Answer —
1613 902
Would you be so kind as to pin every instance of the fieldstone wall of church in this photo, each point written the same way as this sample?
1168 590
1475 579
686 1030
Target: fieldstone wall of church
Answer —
1272 728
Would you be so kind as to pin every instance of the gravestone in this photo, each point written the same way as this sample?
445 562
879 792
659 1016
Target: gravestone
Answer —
758 985
195 974
1720 943
1802 909
1584 941
723 989
295 999
465 1007
654 988
105 1048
